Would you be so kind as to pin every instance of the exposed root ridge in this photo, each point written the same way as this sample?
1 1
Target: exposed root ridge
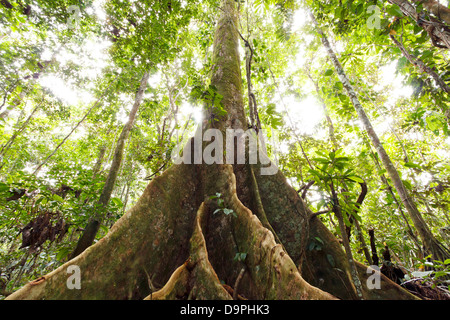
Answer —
270 268
196 278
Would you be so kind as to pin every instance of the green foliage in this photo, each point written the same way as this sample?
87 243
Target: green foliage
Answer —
240 256
221 205
211 100
440 270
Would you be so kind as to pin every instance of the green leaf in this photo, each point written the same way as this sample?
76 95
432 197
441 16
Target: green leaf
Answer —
62 253
339 85
117 202
407 184
57 198
227 211
240 256
328 73
330 259
395 11
104 228
356 179
411 165
439 274
318 240
217 195
4 187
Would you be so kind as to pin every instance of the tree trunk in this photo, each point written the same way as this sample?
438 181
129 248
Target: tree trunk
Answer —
98 164
173 244
439 33
438 251
346 242
90 232
422 66
439 10
17 101
101 157
373 247
389 190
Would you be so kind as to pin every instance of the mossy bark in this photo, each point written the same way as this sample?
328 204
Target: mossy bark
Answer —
178 242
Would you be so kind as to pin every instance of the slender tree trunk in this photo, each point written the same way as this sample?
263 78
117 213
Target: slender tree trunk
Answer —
346 242
19 99
98 164
355 221
373 247
290 120
389 190
75 127
438 251
363 243
421 65
17 102
97 168
90 232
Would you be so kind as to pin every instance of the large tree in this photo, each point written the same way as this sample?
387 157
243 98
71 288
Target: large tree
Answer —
178 242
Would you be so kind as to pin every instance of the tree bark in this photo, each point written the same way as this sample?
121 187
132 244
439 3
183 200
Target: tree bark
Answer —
373 247
438 251
437 9
98 164
438 32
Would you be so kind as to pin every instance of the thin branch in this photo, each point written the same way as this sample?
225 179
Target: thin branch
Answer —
315 214
77 125
306 188
237 282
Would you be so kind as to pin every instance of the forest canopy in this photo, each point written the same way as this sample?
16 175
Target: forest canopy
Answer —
350 96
